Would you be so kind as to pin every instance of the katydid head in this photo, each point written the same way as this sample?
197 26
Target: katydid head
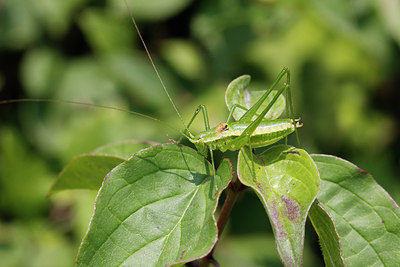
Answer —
222 127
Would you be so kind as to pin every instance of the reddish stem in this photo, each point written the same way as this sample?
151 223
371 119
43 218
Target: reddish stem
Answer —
234 189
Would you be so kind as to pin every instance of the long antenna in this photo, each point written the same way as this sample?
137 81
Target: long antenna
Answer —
154 66
9 101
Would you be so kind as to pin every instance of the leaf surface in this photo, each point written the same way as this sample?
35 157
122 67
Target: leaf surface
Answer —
286 181
87 171
366 217
327 234
155 209
124 149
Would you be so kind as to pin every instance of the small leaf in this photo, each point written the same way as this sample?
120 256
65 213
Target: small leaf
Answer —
87 171
328 236
287 182
155 209
237 93
366 217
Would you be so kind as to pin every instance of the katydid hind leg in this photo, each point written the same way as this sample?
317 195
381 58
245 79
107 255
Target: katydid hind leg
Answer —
290 103
242 139
234 107
253 110
252 158
254 124
291 112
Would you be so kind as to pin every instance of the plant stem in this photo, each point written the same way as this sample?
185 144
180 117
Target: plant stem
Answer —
234 189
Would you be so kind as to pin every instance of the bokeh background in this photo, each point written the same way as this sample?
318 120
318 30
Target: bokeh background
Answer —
345 63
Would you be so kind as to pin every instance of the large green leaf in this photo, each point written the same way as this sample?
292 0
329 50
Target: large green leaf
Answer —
155 209
286 181
124 149
87 171
366 217
328 236
237 93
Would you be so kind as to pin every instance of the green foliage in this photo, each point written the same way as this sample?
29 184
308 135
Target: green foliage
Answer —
328 236
155 209
344 58
88 171
149 207
366 217
31 178
287 181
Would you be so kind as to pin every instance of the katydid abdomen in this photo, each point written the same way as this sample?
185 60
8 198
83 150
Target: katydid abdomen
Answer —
267 133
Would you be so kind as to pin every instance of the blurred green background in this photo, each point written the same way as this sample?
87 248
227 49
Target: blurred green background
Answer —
345 63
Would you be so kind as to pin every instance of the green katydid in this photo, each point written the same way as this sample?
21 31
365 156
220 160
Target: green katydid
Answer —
256 133
245 132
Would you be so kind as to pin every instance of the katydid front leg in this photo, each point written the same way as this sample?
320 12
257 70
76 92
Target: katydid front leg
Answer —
202 148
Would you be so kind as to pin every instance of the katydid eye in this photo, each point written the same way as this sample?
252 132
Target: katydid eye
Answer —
222 127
